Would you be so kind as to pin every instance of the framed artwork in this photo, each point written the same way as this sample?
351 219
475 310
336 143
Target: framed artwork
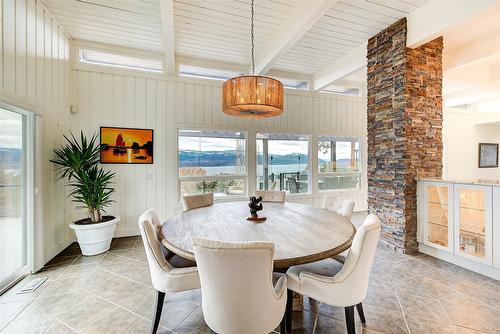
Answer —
126 145
488 155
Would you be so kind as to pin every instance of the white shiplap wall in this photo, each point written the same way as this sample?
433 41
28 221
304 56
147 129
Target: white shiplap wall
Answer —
107 99
34 74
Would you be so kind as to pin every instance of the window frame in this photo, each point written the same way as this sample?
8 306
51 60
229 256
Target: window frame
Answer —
310 174
181 179
320 174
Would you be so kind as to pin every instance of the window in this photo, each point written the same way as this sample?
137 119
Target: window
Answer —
283 162
122 61
206 73
338 163
294 83
212 161
342 90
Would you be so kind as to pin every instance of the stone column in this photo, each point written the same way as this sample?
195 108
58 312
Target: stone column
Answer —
404 129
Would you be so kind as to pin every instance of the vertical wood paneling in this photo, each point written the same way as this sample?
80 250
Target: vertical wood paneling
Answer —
166 105
34 71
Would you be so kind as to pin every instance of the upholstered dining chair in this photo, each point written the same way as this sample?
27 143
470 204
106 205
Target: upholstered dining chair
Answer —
190 202
238 294
271 195
341 206
172 275
342 285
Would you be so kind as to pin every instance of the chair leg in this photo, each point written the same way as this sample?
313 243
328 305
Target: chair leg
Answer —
160 297
349 320
289 310
283 324
361 314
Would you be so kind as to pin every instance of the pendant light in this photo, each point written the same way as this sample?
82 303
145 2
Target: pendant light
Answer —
253 96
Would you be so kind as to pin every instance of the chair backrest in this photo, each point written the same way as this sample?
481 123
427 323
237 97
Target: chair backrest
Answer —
271 196
339 205
149 226
236 285
357 265
190 202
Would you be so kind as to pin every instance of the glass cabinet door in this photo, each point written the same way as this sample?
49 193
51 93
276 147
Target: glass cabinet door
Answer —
438 230
473 207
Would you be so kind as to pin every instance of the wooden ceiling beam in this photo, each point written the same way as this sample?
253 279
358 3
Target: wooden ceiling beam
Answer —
304 15
167 22
432 20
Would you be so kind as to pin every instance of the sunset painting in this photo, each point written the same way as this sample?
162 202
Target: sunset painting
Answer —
126 146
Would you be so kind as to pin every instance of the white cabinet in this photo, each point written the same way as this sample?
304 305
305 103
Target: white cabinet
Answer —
437 214
496 227
473 221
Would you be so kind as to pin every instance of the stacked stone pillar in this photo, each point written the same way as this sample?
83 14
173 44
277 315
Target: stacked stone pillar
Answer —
404 129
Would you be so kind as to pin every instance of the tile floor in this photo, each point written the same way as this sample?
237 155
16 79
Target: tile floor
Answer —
111 293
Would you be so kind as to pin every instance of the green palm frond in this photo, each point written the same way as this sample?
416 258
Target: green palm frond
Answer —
78 162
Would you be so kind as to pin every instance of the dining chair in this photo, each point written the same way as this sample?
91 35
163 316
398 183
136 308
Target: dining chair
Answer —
173 275
237 289
271 196
190 202
341 206
335 283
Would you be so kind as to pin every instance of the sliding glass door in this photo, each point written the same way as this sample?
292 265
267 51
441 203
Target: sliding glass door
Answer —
13 196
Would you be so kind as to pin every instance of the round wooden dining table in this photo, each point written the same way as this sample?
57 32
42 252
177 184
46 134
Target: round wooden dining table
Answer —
300 233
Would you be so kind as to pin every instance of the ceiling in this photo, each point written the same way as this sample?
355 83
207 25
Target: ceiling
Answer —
218 30
471 61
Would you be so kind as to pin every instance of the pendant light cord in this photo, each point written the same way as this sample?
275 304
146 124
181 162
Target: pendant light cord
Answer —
252 28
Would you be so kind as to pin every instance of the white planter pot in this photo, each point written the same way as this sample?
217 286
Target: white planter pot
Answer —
95 238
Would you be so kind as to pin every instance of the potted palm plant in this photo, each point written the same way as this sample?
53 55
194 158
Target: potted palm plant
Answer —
91 186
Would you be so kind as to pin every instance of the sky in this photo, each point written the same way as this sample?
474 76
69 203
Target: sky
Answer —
11 129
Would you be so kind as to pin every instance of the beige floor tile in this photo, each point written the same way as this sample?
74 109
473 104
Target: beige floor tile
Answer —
463 330
193 324
435 262
57 327
144 327
383 320
482 295
466 312
60 261
95 315
137 254
117 284
77 271
174 312
326 325
431 287
426 326
303 322
48 307
384 298
28 326
423 308
95 259
8 311
142 303
63 286
468 275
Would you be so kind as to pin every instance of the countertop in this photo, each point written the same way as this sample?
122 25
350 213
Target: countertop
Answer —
485 182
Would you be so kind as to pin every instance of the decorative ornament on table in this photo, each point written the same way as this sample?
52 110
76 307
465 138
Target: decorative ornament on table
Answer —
255 205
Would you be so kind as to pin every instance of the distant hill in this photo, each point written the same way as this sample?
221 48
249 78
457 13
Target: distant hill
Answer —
227 158
10 158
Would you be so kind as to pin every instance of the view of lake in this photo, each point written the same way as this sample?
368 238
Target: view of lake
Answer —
221 170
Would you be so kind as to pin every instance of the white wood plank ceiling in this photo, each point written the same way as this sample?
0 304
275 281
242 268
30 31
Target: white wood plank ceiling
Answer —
218 30
344 27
